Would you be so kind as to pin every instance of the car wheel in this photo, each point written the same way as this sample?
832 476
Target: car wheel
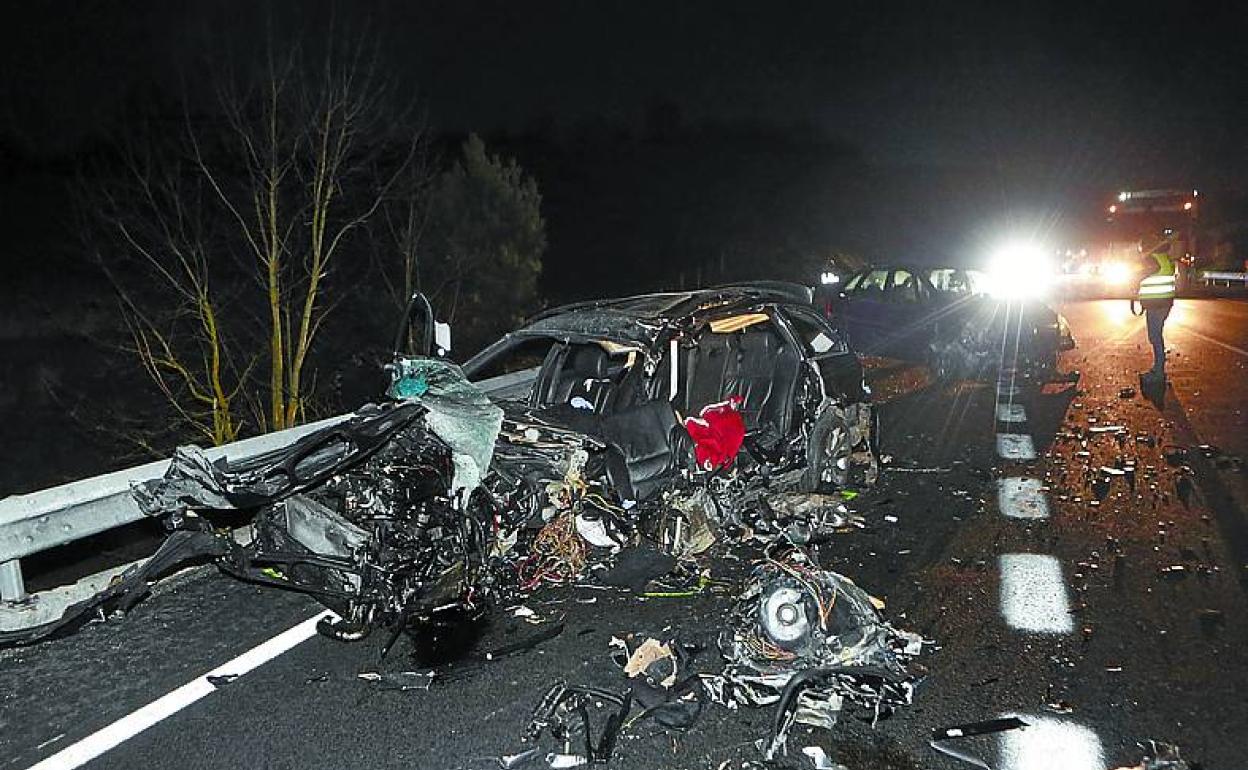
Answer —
828 454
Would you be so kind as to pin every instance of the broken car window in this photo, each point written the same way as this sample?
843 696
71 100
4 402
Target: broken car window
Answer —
524 354
904 287
954 281
817 337
869 284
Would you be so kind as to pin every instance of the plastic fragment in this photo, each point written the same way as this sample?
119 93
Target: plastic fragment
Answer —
820 759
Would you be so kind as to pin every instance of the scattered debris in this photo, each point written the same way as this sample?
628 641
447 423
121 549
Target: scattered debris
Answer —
809 641
655 660
562 716
660 681
545 633
401 681
804 517
1175 456
820 759
1211 619
943 737
1160 756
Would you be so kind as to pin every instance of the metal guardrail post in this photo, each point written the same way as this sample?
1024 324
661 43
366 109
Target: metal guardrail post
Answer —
12 587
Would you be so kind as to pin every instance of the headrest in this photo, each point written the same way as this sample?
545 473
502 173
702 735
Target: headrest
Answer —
757 341
590 361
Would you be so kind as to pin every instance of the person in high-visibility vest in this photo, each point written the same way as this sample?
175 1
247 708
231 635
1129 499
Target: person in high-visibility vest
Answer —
1156 296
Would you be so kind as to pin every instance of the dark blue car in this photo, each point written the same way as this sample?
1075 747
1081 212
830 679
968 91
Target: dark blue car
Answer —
944 317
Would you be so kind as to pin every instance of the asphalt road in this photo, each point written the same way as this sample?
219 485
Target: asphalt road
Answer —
1120 647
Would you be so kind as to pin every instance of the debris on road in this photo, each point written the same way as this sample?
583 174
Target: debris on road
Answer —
1160 756
545 633
401 681
942 738
561 724
810 641
820 760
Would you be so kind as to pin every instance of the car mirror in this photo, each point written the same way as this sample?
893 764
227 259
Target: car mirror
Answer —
419 334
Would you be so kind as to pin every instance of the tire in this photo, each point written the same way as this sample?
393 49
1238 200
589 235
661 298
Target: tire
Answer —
827 454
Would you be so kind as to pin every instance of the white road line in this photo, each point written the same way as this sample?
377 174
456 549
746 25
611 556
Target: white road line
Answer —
1015 446
1033 594
1020 498
1010 412
1047 743
95 744
1219 343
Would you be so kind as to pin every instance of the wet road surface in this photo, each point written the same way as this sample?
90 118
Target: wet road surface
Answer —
1104 607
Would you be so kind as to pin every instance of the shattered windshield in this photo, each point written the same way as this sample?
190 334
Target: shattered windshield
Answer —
459 413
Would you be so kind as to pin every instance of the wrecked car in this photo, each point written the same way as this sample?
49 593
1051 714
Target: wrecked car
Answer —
638 372
417 510
945 317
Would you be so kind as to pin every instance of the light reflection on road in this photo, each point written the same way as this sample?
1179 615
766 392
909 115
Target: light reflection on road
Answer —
1116 313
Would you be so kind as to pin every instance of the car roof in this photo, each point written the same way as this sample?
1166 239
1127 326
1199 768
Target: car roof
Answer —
641 318
916 268
676 304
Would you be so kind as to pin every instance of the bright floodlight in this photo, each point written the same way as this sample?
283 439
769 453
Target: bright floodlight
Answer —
1116 273
829 277
1020 270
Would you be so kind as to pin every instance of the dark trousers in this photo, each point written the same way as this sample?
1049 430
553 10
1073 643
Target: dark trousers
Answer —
1155 314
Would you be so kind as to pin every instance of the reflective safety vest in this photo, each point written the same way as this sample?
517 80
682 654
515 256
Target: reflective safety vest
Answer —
1160 284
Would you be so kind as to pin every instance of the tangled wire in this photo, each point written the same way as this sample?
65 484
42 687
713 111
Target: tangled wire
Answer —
559 554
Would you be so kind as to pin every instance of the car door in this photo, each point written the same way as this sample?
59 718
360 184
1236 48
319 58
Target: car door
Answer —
823 345
907 332
864 310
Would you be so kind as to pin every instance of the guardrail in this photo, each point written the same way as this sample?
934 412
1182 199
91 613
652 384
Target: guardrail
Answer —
37 521
1218 277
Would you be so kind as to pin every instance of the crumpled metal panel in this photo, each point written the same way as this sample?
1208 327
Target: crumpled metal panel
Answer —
459 413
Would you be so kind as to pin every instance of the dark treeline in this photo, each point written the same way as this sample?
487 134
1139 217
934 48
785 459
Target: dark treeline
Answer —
673 205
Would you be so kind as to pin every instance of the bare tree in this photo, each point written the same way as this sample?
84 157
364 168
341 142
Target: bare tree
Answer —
318 161
157 210
259 202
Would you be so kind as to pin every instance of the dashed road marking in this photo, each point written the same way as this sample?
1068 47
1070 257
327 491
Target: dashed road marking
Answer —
1033 594
1020 498
1047 743
122 730
1015 446
1011 412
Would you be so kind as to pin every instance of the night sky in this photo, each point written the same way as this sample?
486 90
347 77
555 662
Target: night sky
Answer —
1066 102
1092 89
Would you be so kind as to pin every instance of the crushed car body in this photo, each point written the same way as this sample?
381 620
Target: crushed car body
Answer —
626 414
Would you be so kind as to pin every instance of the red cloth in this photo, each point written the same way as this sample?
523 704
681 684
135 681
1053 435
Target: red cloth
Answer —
717 433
